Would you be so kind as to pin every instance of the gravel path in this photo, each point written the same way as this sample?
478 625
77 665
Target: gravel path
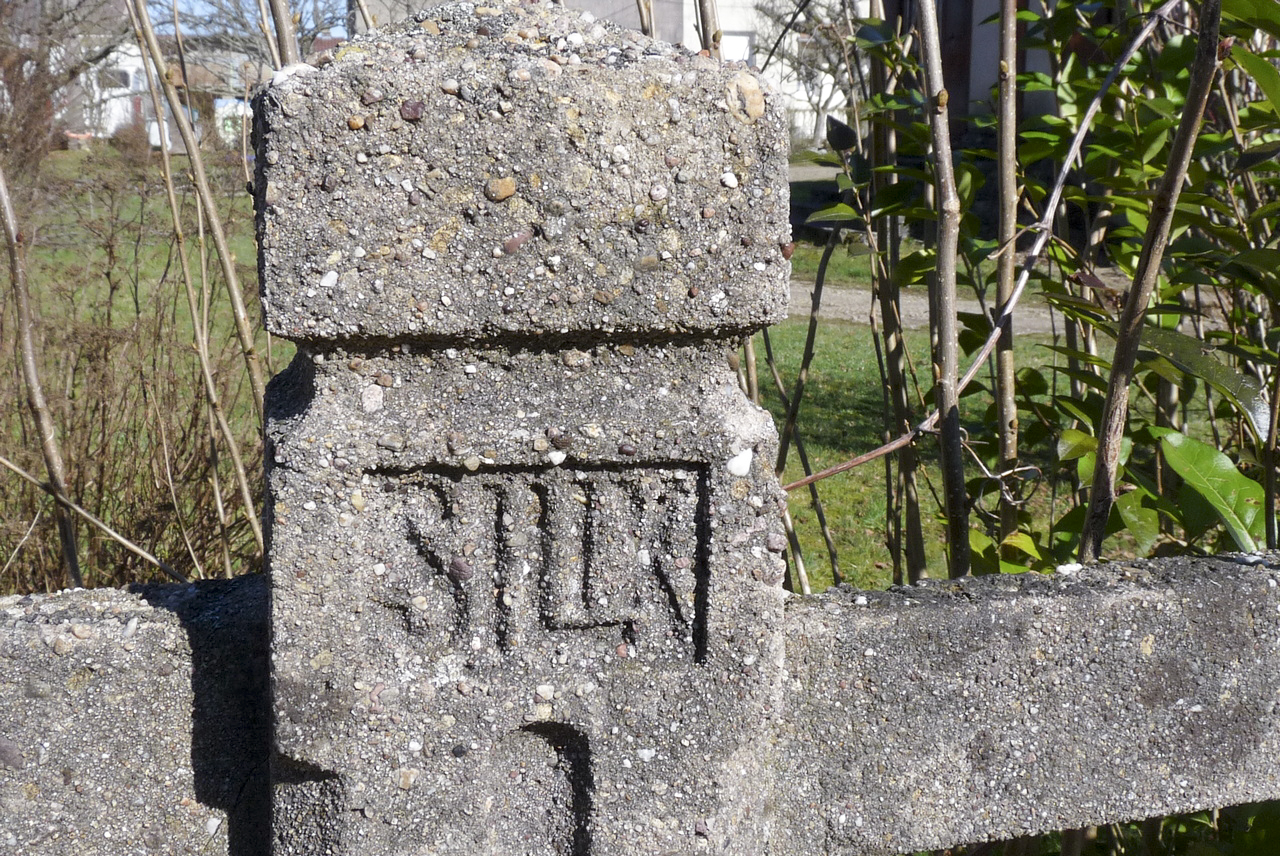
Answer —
854 304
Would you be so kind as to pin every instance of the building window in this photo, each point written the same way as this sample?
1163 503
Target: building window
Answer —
738 46
113 78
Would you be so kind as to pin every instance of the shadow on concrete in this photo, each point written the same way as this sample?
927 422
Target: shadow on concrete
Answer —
227 627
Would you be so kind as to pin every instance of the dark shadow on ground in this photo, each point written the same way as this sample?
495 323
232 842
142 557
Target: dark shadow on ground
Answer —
227 627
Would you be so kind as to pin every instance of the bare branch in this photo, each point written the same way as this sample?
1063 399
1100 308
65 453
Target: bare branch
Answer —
35 392
106 530
1129 330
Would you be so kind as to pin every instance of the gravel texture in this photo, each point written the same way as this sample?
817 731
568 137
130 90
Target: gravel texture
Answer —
519 170
525 531
135 722
1005 706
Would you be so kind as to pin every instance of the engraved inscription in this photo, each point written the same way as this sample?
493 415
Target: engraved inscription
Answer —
524 555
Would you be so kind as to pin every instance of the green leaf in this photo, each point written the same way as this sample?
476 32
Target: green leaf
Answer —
1236 498
1154 137
840 137
982 551
1196 358
1262 71
1142 521
1024 542
874 33
1073 444
838 213
1261 14
914 267
1259 155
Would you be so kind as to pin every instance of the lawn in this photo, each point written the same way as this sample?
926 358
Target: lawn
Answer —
842 416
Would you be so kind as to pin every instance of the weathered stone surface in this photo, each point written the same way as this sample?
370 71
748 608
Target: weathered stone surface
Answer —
910 719
135 722
524 599
565 176
1002 706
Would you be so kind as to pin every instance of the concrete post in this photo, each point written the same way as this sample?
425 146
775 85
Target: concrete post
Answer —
524 529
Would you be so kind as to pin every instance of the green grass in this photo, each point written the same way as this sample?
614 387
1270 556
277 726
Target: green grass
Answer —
841 416
850 265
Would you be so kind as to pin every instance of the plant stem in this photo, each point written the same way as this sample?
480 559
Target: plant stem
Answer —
818 509
1043 230
243 332
35 392
200 323
1129 329
1006 268
943 304
64 502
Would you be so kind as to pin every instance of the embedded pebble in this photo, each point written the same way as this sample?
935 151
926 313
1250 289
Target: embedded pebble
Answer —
500 189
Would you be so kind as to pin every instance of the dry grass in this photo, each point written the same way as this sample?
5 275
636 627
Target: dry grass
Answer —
114 336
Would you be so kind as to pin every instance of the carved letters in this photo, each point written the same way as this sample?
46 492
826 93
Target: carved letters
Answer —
576 551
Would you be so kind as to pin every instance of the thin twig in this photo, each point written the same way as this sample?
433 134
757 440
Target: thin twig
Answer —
13 557
107 530
709 27
1006 268
199 314
282 17
806 359
244 333
818 509
173 495
14 240
273 49
946 355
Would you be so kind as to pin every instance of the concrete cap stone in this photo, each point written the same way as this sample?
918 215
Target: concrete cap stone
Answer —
519 169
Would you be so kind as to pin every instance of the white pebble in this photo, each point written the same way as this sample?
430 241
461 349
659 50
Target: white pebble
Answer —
729 180
329 280
740 464
289 71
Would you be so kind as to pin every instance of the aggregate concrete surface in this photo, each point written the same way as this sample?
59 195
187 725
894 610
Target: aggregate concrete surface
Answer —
135 722
996 707
525 533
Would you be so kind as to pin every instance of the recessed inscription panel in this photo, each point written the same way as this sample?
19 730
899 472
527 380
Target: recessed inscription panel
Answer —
509 559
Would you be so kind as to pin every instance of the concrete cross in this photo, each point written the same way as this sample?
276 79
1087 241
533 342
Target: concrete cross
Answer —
525 558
